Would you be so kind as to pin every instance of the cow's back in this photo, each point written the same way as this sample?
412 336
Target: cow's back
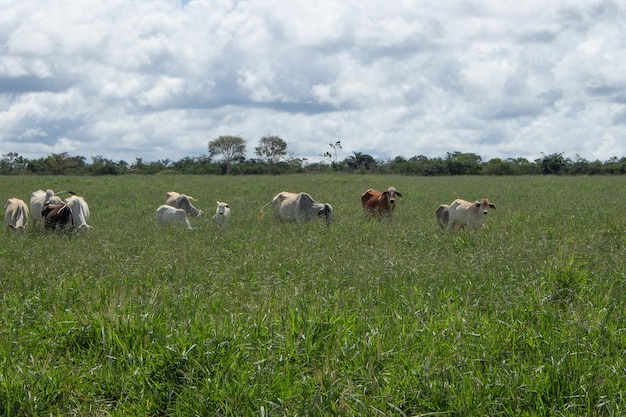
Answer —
289 208
370 197
282 203
80 211
16 213
459 208
36 206
168 214
57 216
37 198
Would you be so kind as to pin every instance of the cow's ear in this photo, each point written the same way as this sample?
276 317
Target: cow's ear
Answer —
477 204
398 194
493 206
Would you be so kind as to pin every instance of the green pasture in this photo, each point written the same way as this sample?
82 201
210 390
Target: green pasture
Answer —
361 318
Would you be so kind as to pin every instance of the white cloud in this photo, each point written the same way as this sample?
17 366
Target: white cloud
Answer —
160 78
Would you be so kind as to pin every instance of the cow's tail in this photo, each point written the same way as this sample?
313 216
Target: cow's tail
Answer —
261 213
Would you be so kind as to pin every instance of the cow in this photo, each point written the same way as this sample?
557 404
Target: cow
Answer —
15 214
37 199
463 213
57 216
222 214
80 212
167 214
443 215
182 201
299 207
379 204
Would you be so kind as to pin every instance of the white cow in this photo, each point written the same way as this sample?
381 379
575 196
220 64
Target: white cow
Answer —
15 214
171 215
463 213
299 207
80 212
182 201
222 214
37 200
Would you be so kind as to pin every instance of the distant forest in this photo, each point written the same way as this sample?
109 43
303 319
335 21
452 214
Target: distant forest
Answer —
273 159
455 163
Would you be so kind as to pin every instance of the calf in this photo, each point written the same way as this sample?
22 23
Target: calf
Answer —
380 204
171 215
443 215
15 214
463 213
222 214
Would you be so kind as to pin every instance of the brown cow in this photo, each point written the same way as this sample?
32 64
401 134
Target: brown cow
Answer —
57 217
380 204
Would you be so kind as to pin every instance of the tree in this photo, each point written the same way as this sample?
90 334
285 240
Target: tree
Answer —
103 166
13 162
232 148
64 164
551 164
463 163
272 149
330 156
360 160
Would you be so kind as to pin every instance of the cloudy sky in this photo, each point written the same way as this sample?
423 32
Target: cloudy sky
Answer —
159 79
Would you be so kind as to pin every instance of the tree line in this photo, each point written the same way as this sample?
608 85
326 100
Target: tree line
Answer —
226 156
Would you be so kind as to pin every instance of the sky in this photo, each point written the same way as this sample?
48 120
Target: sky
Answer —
160 79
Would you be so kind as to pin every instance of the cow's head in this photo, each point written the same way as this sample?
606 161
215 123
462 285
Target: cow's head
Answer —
49 198
484 205
326 211
390 193
221 208
184 203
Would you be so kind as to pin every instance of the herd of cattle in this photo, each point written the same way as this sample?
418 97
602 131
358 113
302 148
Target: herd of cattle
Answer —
50 212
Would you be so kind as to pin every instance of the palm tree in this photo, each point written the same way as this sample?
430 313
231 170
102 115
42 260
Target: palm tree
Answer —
360 160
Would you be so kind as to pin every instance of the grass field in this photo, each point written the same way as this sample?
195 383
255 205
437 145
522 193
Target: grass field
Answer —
391 318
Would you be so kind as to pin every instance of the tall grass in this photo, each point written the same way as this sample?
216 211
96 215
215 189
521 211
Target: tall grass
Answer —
393 318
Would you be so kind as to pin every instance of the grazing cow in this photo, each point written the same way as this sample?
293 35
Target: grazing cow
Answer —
57 216
80 212
37 199
181 201
222 214
380 204
463 213
166 214
299 207
15 214
443 215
